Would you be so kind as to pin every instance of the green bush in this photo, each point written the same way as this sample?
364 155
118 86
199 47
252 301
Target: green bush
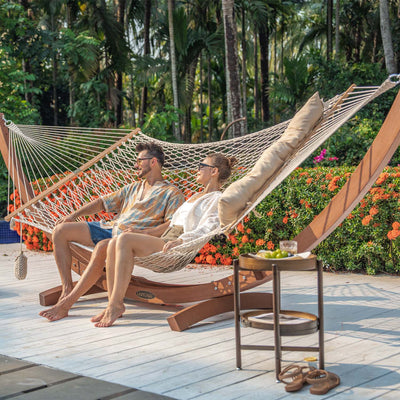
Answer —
365 241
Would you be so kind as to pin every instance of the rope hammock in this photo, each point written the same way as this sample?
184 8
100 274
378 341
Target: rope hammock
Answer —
56 170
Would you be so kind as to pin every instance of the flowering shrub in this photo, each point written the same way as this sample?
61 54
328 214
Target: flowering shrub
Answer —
367 240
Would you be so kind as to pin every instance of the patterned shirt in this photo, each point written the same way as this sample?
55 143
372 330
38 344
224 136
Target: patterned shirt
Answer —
157 206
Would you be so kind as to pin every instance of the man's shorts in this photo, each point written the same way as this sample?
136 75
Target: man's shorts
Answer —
97 233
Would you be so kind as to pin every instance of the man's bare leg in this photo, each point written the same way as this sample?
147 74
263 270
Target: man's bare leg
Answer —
92 273
62 235
128 245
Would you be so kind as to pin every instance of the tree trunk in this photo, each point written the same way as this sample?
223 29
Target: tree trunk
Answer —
121 4
244 71
387 37
174 76
190 80
143 102
329 16
337 25
210 104
264 48
232 68
256 88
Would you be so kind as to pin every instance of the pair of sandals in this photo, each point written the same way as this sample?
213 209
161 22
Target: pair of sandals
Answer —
321 381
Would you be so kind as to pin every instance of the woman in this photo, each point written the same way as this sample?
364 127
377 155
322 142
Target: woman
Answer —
196 217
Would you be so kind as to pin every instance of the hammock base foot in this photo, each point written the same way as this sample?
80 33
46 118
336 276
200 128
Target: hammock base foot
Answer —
50 297
184 319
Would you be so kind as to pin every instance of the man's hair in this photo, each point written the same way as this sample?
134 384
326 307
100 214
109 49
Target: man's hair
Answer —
153 149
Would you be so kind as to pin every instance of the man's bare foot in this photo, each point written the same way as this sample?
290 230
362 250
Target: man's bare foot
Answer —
55 313
66 290
111 314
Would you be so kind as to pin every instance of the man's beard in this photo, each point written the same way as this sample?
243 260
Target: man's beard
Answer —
144 171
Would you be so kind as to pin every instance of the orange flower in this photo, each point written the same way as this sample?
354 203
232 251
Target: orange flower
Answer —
382 178
309 180
396 226
210 260
285 219
270 245
233 239
235 251
366 220
240 228
245 239
246 219
226 261
393 234
248 230
373 211
260 242
270 213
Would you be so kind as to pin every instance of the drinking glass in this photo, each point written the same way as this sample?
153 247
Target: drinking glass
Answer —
288 245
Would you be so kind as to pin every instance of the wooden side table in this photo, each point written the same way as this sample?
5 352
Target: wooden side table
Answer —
307 323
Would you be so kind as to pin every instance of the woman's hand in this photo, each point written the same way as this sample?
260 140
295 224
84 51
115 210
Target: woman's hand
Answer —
173 243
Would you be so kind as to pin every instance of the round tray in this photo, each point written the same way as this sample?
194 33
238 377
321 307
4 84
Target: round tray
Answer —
251 262
291 323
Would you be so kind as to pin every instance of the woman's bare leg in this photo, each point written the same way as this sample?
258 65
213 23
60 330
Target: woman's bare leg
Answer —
92 273
110 271
128 245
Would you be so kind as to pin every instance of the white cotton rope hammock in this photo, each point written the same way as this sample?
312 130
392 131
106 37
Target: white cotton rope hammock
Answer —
66 167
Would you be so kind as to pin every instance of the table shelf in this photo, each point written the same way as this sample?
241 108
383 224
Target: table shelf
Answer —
290 323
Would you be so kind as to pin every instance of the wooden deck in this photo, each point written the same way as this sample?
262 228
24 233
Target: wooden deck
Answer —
362 337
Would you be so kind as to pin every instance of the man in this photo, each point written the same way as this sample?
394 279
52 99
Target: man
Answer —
145 206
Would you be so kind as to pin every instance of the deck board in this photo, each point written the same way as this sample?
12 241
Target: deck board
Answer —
362 340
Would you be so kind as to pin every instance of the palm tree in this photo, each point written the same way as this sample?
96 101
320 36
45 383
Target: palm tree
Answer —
232 68
174 78
387 37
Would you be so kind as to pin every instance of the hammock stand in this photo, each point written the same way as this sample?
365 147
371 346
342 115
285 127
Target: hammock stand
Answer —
216 297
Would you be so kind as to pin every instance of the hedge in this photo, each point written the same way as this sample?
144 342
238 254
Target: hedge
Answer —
367 240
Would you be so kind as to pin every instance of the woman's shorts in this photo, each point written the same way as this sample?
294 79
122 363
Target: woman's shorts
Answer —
172 233
97 233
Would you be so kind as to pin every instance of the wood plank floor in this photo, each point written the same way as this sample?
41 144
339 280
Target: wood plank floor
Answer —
362 337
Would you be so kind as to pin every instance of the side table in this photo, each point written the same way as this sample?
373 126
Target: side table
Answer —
307 323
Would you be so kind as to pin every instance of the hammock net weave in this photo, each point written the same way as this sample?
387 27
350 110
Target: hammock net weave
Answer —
66 167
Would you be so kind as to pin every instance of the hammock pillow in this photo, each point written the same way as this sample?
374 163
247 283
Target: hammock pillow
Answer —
237 196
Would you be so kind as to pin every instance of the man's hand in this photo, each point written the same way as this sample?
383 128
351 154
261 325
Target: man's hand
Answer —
171 244
67 218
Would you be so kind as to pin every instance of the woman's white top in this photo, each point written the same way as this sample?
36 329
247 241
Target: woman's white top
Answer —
198 217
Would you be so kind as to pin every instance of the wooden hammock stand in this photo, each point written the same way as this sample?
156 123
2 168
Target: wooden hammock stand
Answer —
216 297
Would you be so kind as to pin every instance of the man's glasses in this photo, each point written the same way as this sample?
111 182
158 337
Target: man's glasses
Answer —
139 160
204 165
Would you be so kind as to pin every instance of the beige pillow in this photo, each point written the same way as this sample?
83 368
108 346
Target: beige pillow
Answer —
236 197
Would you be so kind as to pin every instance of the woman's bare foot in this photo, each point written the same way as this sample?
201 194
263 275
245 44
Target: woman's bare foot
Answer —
55 313
98 317
110 315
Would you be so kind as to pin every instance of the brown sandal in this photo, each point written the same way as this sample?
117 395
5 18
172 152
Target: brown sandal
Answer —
322 381
294 380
